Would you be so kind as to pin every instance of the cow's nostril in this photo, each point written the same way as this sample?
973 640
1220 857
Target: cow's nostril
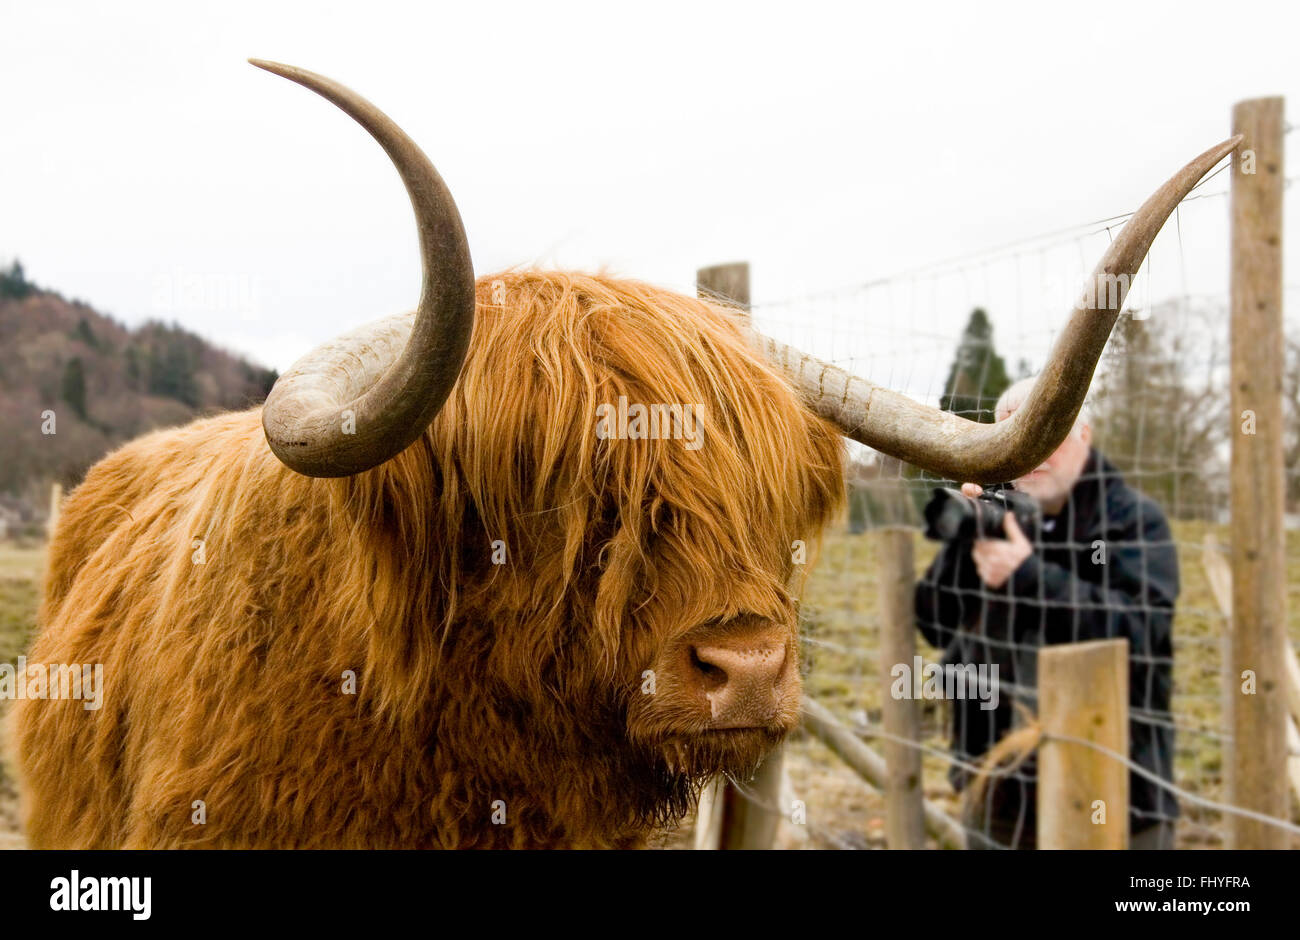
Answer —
712 676
743 680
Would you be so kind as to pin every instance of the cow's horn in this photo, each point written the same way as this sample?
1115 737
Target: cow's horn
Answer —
361 399
957 448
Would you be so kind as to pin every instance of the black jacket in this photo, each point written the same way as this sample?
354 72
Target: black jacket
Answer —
1061 594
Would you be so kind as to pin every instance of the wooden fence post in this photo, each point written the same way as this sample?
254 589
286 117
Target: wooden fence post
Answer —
1218 572
728 283
727 818
1220 578
1258 542
1083 798
904 815
56 504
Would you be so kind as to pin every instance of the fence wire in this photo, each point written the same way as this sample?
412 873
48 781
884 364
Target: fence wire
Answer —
1157 412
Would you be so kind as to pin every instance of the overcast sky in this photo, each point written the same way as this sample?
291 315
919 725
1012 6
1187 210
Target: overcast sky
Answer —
828 144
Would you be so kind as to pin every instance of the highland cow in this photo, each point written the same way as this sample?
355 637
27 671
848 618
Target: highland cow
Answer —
416 600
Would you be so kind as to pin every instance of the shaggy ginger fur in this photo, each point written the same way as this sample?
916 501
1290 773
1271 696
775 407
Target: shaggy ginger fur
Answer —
475 682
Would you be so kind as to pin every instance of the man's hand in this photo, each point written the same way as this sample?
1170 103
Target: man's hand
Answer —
997 559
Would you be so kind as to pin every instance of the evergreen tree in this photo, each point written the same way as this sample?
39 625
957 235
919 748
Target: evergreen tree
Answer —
14 284
978 374
84 333
133 368
172 364
977 377
74 386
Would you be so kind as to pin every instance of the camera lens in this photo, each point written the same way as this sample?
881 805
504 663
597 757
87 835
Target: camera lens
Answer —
950 516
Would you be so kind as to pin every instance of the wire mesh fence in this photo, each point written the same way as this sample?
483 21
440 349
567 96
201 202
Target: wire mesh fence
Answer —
957 334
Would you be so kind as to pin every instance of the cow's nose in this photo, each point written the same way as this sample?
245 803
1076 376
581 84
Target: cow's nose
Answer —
744 679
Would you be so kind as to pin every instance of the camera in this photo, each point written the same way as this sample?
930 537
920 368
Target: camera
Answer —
953 516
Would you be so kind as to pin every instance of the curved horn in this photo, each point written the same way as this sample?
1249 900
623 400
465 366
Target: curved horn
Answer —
359 400
960 449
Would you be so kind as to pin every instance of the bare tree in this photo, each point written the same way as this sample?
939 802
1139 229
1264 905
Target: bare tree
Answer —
1160 405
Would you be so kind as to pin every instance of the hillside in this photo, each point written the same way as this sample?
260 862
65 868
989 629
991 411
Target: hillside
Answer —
104 383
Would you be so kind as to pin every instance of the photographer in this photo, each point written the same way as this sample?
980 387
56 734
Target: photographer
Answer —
1099 562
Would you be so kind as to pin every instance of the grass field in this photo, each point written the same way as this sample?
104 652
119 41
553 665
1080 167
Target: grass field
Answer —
841 639
841 628
20 577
